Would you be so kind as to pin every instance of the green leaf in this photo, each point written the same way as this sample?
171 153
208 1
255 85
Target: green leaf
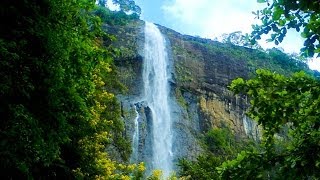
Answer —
269 40
303 35
277 13
282 22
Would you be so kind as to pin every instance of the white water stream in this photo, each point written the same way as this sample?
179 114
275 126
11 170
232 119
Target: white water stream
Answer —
156 92
135 142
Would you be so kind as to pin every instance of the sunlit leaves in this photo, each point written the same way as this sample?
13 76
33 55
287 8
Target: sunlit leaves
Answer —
58 114
277 13
279 103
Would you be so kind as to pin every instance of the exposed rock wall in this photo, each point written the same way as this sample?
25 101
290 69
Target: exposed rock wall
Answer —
199 99
204 68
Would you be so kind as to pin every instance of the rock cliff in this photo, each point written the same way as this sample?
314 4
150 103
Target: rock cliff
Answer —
201 71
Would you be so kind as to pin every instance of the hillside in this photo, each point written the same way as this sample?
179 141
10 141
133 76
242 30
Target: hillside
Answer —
201 70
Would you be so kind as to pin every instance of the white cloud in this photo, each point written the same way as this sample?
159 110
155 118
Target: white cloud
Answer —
186 11
314 64
112 6
212 18
226 21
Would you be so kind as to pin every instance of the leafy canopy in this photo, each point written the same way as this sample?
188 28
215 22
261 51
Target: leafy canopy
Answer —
288 111
281 15
58 115
221 145
126 6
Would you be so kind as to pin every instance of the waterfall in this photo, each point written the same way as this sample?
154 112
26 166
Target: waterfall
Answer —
156 94
135 139
250 128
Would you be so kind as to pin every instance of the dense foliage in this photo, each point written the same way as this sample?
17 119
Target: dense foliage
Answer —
114 17
279 105
221 145
126 6
291 62
287 63
59 115
57 112
127 12
287 108
281 15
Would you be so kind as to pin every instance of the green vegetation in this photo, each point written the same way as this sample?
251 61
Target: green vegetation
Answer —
272 59
180 98
278 102
127 6
196 60
281 15
114 17
279 61
287 108
203 168
221 145
58 114
239 39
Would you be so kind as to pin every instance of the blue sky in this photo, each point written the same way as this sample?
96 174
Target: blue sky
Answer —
212 18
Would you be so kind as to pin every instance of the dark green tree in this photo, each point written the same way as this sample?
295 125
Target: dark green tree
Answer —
57 112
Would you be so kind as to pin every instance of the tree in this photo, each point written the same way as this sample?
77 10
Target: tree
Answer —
235 38
127 6
203 168
221 145
287 109
114 17
239 39
58 114
281 15
290 62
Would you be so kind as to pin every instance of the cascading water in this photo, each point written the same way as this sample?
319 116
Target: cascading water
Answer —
135 141
250 128
156 92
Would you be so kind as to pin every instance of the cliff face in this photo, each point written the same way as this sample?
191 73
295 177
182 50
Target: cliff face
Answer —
185 110
201 71
204 73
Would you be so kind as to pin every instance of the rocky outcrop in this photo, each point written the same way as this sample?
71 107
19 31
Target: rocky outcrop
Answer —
204 69
201 71
199 96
